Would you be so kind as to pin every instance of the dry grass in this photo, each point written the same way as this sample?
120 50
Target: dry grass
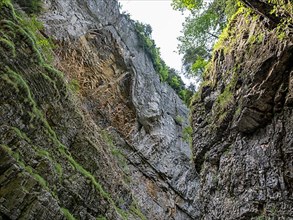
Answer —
100 79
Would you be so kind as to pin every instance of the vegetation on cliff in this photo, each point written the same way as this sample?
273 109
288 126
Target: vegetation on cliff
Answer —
208 20
167 74
36 162
201 30
30 6
242 116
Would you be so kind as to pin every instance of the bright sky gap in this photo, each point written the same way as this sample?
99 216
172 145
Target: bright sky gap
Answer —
166 24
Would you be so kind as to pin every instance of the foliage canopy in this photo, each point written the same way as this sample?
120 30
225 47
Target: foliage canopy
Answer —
201 29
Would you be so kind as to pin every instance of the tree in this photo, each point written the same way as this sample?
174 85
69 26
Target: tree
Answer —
201 29
187 4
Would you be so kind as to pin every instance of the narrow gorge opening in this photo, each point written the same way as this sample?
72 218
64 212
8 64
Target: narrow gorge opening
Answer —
95 125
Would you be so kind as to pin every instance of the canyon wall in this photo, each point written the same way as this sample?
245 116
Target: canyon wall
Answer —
88 130
242 118
118 141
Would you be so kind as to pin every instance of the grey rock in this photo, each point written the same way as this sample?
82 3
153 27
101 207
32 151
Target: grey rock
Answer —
240 148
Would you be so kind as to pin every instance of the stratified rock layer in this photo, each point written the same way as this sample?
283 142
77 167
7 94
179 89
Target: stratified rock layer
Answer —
124 95
242 121
115 149
54 163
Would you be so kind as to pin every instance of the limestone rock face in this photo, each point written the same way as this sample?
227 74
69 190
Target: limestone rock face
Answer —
92 133
242 121
54 161
118 143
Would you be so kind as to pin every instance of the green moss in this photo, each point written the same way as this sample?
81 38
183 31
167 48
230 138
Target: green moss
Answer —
67 214
187 132
36 176
74 85
21 134
195 97
44 45
31 41
252 39
222 117
41 180
179 119
43 153
46 154
228 34
107 138
26 35
59 169
21 84
87 174
4 3
9 81
238 111
7 26
225 98
222 38
92 178
29 169
8 45
29 29
281 35
223 103
260 38
8 4
53 71
116 152
136 211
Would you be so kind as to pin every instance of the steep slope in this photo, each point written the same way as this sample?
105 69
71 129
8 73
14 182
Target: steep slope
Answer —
54 162
242 118
113 150
103 138
100 48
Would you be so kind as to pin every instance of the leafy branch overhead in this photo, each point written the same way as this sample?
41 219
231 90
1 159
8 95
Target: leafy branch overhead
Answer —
201 29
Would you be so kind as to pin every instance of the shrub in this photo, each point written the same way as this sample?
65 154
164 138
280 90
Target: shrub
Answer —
187 132
179 119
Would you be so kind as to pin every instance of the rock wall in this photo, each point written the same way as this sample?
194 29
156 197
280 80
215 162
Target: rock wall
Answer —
118 143
54 161
103 138
242 118
124 95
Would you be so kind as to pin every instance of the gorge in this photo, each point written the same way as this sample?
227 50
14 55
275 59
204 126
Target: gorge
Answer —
89 131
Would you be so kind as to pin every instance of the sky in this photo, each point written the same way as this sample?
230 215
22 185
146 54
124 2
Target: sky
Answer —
166 24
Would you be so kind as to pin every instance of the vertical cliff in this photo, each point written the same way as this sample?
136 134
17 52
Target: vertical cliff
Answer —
114 149
88 130
242 118
54 161
100 49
